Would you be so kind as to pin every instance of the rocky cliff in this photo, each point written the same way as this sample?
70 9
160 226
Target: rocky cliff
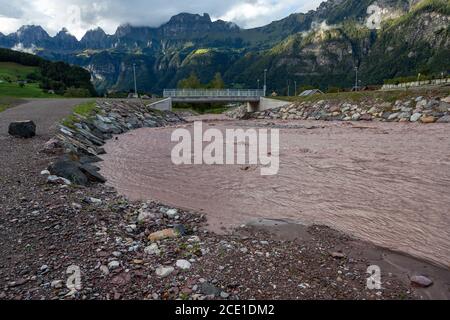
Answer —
385 38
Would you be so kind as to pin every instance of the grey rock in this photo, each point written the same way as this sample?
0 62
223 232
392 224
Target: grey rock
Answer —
58 180
180 229
209 290
415 117
113 265
152 250
183 264
22 129
393 116
224 295
443 107
444 119
164 272
69 170
421 281
92 174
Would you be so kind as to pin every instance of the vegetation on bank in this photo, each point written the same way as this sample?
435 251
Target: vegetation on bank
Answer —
386 96
193 82
28 90
26 71
84 110
8 102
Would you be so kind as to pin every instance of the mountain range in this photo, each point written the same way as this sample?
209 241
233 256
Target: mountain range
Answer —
383 38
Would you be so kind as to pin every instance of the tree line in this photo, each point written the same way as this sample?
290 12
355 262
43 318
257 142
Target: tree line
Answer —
193 82
60 77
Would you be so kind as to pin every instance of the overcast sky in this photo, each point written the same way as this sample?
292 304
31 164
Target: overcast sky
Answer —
81 15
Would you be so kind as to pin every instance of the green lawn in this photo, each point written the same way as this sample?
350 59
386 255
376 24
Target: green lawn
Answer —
30 90
10 73
14 71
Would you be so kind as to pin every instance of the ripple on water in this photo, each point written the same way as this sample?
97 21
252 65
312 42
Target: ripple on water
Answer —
391 189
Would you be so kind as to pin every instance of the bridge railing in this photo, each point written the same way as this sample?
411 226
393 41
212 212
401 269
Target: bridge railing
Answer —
212 93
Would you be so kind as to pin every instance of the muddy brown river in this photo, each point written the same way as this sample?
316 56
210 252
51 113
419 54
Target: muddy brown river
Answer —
387 183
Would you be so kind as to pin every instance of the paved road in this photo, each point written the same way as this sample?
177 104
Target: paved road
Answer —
44 112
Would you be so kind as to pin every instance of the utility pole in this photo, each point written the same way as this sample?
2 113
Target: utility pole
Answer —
356 82
288 88
265 82
295 84
135 82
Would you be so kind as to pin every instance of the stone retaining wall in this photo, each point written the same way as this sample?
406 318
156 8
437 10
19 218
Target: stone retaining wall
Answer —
410 110
81 140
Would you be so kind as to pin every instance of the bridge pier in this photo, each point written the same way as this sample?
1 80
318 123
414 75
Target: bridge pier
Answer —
252 106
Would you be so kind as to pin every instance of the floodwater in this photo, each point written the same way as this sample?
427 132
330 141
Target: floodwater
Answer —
387 183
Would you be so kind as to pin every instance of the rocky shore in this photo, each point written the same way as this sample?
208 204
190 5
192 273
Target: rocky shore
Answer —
82 136
147 250
418 109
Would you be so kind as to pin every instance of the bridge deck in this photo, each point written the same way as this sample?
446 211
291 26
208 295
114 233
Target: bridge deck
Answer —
213 95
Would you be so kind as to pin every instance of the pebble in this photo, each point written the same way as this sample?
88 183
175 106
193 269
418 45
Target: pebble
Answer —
163 234
337 255
58 180
113 265
57 284
171 213
415 117
104 270
421 281
163 272
152 250
183 264
94 201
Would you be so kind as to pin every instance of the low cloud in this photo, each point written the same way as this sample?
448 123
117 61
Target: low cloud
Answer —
81 15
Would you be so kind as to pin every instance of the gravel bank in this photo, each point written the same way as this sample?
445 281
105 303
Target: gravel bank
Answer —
47 228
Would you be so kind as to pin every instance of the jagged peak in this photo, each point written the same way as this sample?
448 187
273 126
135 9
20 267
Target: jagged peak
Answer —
97 30
186 17
32 28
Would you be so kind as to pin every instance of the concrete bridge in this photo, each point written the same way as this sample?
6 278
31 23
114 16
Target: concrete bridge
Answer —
253 97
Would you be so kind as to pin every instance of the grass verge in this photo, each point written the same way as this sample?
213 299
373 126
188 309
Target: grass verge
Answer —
386 96
84 110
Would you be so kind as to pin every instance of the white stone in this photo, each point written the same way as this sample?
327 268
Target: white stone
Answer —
45 172
171 213
415 117
183 264
145 216
95 201
58 180
113 265
152 250
104 270
163 272
57 284
194 239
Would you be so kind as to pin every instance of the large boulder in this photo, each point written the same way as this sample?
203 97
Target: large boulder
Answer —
22 129
69 170
74 169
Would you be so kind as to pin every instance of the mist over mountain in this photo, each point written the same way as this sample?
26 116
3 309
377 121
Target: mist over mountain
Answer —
384 38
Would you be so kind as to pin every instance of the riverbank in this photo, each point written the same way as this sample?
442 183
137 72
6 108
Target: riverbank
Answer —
47 228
